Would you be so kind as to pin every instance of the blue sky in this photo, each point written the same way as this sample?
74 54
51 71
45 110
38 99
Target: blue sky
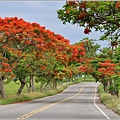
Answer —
44 13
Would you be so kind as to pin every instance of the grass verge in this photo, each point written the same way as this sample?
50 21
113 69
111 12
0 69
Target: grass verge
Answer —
112 102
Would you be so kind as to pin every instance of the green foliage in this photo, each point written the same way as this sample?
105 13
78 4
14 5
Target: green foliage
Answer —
116 82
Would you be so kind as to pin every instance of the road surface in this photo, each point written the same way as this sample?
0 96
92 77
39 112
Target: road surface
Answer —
79 101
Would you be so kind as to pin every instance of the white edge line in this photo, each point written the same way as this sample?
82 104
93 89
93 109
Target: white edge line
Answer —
97 106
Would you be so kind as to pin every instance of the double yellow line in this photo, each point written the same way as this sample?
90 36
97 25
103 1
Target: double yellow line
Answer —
48 106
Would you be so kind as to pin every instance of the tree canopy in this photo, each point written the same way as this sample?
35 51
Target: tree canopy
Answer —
101 15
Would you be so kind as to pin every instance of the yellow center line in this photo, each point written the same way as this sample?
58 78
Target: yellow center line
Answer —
48 106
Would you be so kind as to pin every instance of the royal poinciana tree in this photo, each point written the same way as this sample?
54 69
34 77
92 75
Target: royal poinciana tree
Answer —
28 50
18 38
101 15
105 69
91 49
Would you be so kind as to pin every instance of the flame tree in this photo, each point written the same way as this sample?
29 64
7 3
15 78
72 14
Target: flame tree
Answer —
25 50
100 15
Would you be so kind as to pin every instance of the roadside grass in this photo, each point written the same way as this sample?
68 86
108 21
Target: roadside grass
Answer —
112 102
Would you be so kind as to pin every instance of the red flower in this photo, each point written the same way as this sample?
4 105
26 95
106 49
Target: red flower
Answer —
5 64
118 4
87 31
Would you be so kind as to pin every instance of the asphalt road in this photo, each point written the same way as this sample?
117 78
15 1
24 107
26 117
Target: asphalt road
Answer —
78 101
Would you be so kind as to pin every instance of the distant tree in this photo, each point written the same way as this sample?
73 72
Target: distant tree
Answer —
17 39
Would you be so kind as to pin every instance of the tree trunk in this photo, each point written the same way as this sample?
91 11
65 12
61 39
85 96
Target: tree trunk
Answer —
28 88
2 91
116 90
41 86
46 87
22 81
32 83
61 82
50 85
54 84
110 84
105 86
85 77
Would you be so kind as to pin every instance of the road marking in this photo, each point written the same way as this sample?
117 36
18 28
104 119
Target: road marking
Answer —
48 106
97 106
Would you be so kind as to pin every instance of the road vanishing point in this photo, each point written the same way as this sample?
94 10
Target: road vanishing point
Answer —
78 101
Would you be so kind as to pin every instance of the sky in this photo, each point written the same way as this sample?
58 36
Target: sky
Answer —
44 13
